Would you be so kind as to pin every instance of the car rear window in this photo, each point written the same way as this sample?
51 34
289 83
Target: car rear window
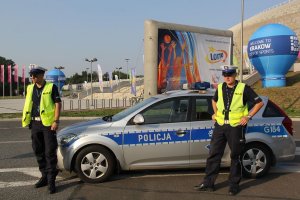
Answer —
271 111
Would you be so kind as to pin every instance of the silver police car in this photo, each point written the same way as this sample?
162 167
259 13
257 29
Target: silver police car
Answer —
171 130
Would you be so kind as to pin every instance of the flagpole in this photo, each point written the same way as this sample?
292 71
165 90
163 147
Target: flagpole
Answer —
24 79
3 71
9 78
17 80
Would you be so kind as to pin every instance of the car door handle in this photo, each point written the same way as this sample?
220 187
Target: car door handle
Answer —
180 132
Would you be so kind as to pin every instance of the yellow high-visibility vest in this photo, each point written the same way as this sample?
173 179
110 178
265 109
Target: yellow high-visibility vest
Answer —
237 108
47 106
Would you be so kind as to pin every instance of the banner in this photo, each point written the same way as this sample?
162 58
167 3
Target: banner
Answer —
187 57
9 73
116 79
216 50
16 75
23 74
2 74
133 81
100 76
110 81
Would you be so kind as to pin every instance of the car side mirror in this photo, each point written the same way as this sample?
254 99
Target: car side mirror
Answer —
138 119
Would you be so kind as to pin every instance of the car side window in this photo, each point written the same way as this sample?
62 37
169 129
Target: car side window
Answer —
203 109
169 111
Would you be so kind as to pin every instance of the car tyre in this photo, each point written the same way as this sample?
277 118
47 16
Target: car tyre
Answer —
255 160
94 164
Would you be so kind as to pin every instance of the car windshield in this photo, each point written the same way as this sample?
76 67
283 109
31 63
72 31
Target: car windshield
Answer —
132 109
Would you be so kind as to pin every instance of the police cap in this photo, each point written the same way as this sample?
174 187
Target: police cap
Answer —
37 70
228 69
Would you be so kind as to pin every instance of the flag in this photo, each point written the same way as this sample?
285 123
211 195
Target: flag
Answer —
100 78
16 75
110 82
116 79
2 74
9 73
133 81
23 74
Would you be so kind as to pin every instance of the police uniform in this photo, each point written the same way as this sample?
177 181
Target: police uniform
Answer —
38 114
231 105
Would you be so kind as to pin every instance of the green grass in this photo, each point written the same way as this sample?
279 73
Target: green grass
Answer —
288 98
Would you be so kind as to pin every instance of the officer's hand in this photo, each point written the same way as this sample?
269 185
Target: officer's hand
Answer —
54 126
244 121
213 117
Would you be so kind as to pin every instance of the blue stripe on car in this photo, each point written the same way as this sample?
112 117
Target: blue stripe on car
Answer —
161 137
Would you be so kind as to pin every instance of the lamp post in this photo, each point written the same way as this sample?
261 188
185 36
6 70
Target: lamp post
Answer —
127 59
242 42
58 78
91 61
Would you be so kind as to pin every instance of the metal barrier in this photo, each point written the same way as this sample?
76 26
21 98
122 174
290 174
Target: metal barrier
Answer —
86 104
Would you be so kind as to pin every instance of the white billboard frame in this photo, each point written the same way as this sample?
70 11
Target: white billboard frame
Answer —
151 28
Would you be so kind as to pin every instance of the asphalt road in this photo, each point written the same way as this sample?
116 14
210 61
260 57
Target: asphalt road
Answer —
18 173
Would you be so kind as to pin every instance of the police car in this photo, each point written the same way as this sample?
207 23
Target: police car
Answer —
171 130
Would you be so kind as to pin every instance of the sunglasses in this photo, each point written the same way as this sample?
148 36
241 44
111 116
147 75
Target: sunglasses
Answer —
34 75
228 74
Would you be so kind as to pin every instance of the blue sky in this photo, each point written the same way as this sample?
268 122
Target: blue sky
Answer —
64 32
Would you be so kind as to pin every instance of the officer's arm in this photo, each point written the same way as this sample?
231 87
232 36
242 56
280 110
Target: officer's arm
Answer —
255 109
54 126
214 105
57 111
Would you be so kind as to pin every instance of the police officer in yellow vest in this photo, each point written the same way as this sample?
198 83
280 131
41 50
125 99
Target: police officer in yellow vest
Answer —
41 113
231 116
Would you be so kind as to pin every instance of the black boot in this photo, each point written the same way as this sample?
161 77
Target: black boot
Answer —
51 187
41 183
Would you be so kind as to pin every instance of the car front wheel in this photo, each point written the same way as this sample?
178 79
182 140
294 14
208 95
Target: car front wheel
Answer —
94 164
256 160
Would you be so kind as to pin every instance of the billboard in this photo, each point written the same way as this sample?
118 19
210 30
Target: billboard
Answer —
179 54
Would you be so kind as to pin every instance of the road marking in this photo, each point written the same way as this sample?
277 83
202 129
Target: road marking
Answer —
16 184
12 142
297 153
31 171
34 172
6 128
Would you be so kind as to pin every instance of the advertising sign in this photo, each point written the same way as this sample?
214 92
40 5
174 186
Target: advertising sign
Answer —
187 57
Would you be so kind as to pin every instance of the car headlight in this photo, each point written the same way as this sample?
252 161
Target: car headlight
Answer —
66 139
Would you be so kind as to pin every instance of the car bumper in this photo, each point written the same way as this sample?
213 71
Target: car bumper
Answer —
63 159
287 149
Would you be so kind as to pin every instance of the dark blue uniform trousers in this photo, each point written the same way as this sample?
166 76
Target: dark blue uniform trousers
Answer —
44 145
222 135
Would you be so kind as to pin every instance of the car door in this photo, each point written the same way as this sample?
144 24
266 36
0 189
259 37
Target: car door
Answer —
162 141
201 129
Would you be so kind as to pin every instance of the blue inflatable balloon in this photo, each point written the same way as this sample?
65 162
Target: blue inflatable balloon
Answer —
57 77
272 50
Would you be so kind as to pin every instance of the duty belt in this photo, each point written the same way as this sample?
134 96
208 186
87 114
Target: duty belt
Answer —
226 121
36 119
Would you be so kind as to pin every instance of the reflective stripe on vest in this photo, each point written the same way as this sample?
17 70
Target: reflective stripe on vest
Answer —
237 109
47 106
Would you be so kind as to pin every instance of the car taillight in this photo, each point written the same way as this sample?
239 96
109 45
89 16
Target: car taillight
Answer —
287 122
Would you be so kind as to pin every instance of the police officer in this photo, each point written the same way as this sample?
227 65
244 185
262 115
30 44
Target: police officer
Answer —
231 116
41 113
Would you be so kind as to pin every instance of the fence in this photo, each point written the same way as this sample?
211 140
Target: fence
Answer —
87 104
